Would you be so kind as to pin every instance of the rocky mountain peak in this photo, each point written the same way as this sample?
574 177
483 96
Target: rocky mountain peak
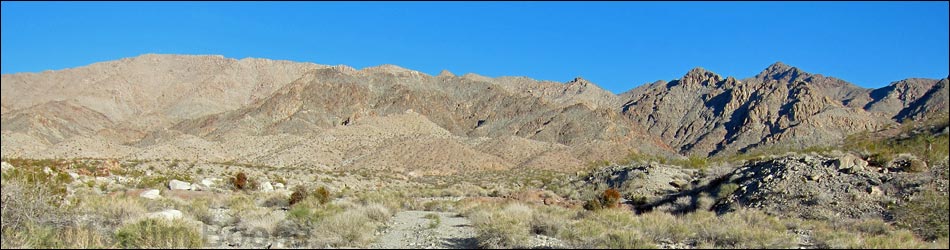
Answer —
782 72
390 69
701 76
579 81
446 73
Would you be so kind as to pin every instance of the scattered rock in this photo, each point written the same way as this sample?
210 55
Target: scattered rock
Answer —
266 187
179 185
278 186
170 214
906 162
151 194
75 176
209 182
4 166
850 164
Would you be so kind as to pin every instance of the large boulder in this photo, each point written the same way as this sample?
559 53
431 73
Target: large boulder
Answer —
179 185
907 163
850 163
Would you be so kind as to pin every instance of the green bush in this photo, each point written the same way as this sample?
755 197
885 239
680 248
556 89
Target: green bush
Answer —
158 233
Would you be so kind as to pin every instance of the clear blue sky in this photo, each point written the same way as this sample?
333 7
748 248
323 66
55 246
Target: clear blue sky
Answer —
617 45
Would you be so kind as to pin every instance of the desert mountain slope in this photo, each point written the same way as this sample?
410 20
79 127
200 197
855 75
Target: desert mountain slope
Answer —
281 113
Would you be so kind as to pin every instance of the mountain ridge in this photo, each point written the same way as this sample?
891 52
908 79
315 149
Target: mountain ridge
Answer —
151 100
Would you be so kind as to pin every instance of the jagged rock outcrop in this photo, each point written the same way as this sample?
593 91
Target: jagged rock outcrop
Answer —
705 114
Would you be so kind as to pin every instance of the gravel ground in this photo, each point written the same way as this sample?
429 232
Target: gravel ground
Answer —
411 229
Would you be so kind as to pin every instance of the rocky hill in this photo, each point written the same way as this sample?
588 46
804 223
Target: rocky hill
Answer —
706 114
281 113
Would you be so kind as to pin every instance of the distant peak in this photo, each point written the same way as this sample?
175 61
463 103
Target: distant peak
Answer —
476 77
700 73
388 68
779 70
579 80
446 73
779 65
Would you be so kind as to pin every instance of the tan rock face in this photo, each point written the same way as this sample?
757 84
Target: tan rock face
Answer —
280 113
704 114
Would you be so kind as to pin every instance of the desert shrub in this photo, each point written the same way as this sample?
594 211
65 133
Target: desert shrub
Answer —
549 220
502 228
322 195
350 228
239 181
376 212
639 200
240 204
661 226
84 237
611 198
112 211
300 192
24 203
434 220
258 222
158 233
726 189
608 228
310 211
593 205
926 214
276 199
746 228
200 208
441 206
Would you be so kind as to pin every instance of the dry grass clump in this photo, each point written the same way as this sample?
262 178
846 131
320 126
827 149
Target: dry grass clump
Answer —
872 233
350 228
609 228
112 211
502 226
159 233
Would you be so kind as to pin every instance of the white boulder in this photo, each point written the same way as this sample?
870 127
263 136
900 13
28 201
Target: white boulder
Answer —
208 182
179 185
151 194
266 187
